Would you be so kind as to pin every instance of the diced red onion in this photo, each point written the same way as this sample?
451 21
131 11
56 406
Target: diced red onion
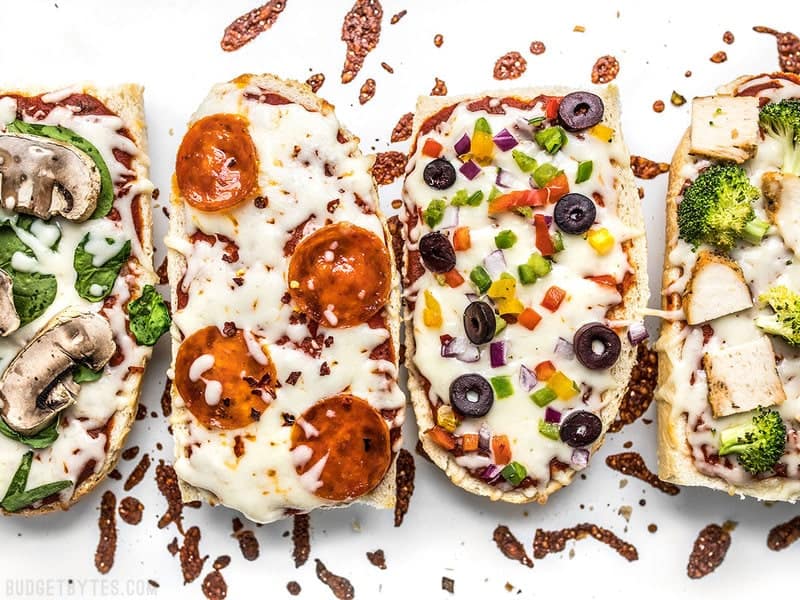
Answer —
484 437
497 353
580 457
637 333
504 179
495 263
527 378
564 349
470 170
551 415
548 219
491 473
450 218
454 347
463 145
504 140
470 355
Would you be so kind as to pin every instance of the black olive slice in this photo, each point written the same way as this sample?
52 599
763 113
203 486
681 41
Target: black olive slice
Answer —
437 252
574 213
580 110
580 428
479 322
439 174
471 395
596 346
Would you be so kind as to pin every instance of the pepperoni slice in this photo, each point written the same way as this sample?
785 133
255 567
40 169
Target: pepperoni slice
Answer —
221 381
340 275
217 164
352 438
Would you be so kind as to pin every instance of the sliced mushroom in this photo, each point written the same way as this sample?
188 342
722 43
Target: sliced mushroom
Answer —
9 319
717 288
743 377
725 127
44 177
38 383
782 203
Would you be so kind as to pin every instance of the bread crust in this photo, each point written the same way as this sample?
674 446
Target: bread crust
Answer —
127 102
635 299
675 462
383 496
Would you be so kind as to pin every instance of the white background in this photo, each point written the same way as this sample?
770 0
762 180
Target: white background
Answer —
172 47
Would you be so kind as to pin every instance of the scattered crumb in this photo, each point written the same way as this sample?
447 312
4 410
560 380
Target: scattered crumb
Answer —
718 57
439 88
537 48
579 29
605 69
449 585
658 106
727 37
438 40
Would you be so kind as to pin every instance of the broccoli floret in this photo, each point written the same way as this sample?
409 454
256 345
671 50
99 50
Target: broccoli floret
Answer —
781 121
716 208
758 444
785 320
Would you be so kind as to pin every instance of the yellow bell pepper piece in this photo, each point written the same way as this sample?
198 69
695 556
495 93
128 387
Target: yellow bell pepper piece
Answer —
446 418
482 148
562 385
604 133
601 240
505 287
432 313
510 306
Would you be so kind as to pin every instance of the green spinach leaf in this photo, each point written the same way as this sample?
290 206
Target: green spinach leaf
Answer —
104 276
106 198
33 292
83 374
43 439
149 316
17 497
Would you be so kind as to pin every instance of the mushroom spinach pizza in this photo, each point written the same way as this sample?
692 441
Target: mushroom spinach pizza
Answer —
78 311
524 282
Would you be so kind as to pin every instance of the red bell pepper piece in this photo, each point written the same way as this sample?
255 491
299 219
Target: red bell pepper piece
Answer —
544 243
517 199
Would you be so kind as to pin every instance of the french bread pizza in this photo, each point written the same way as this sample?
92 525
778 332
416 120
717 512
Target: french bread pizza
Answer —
729 365
286 308
78 310
524 276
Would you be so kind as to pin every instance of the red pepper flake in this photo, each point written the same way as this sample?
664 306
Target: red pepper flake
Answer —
294 588
301 538
448 585
214 586
377 559
130 510
784 535
389 166
161 272
315 81
115 475
361 31
644 168
367 91
439 88
153 583
191 562
130 453
718 57
404 482
251 24
248 543
138 473
167 482
166 398
631 463
107 546
141 412
438 40
658 106
605 69
221 562
402 131
293 378
387 67
510 546
537 48
511 65
709 551
396 18
788 48
548 542
340 586
727 37
641 385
